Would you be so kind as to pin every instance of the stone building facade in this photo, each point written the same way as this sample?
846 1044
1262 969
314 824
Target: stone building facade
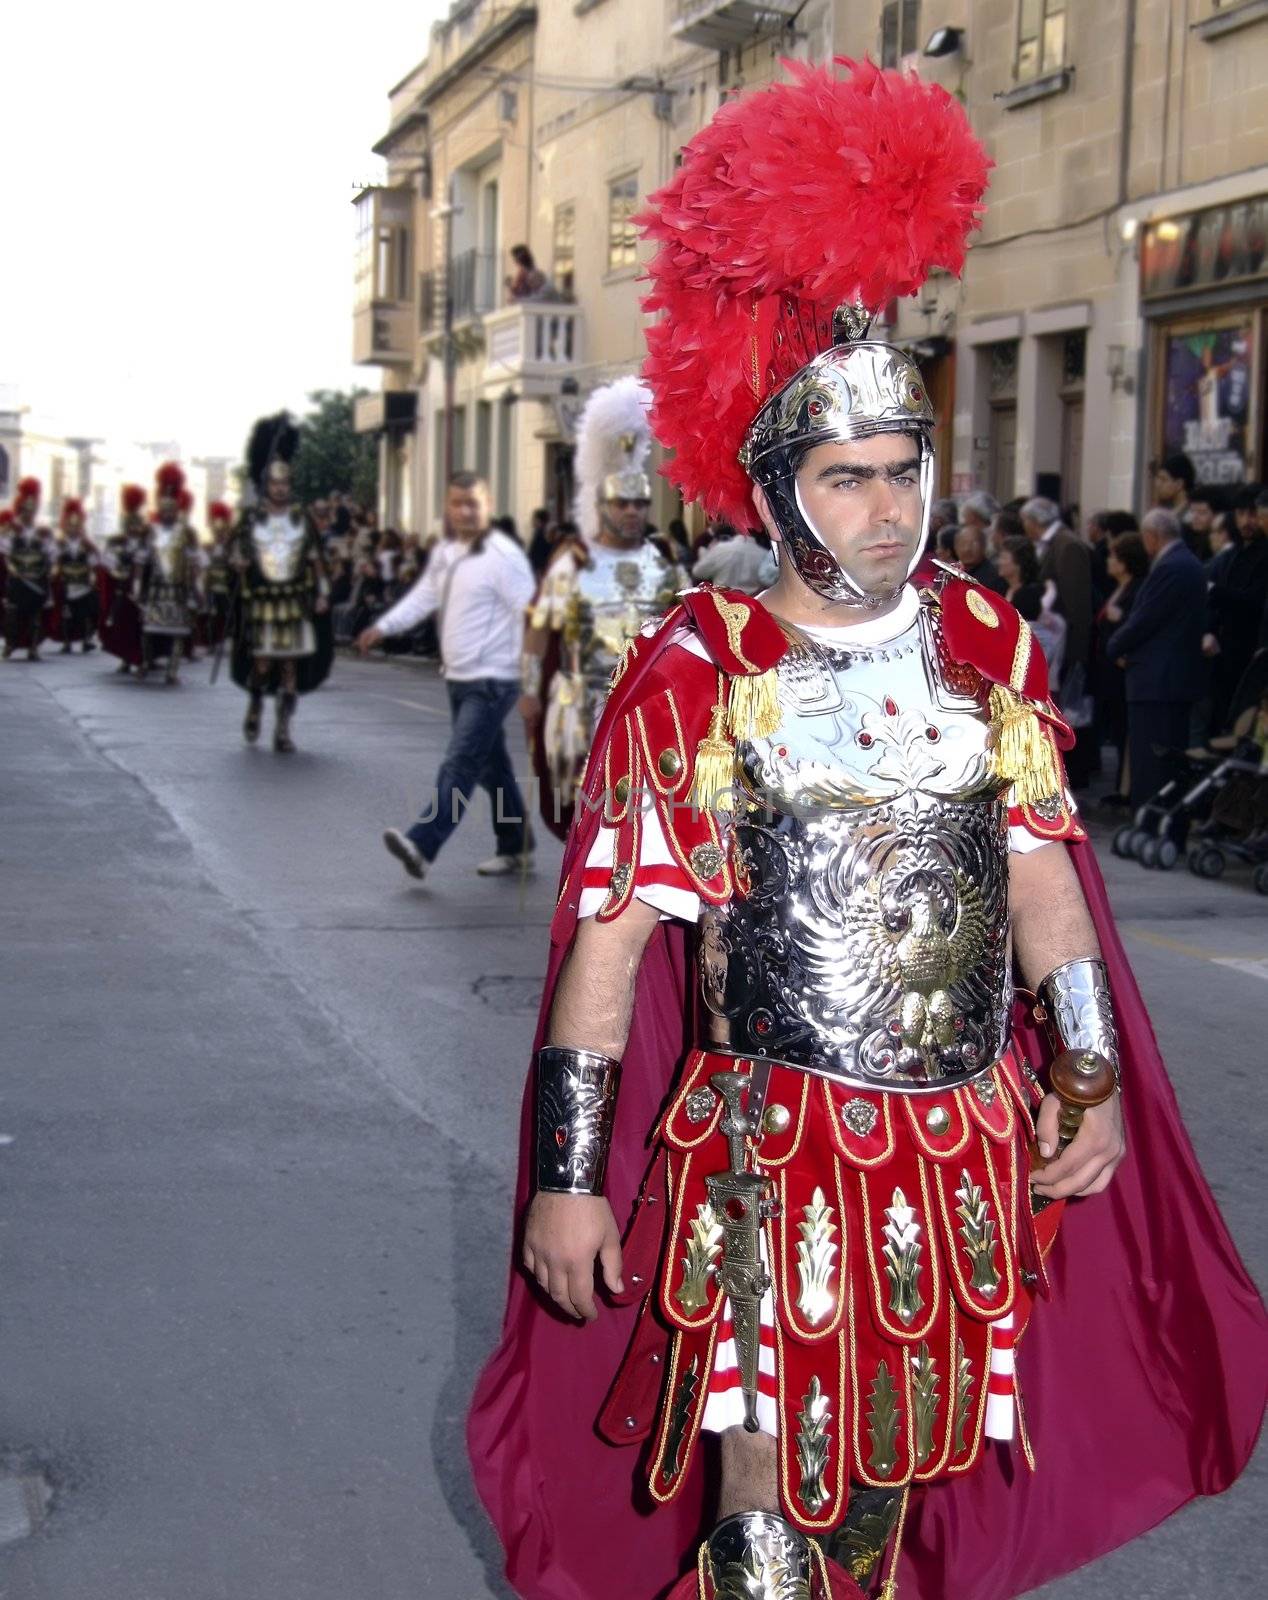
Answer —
1115 303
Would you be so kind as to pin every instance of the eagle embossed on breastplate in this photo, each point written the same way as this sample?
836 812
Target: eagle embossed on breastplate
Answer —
872 944
278 543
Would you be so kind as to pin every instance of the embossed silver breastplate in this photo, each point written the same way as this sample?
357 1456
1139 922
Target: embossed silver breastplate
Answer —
279 545
615 597
873 943
170 552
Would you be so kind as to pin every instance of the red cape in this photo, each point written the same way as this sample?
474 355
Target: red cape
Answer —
1144 1377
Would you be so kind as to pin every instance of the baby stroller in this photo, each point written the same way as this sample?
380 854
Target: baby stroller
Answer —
1215 801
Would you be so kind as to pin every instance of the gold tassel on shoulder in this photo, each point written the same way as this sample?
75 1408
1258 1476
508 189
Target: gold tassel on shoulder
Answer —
754 711
715 761
1024 754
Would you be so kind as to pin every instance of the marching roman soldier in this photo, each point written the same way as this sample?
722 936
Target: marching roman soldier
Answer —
165 584
918 1040
218 575
29 567
595 595
126 552
76 573
283 644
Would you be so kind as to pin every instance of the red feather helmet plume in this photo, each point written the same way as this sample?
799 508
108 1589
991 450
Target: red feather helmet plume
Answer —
185 501
6 518
132 498
796 199
27 489
169 479
219 511
71 508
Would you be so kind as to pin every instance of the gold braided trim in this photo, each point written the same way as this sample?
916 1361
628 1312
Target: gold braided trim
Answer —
1021 658
734 616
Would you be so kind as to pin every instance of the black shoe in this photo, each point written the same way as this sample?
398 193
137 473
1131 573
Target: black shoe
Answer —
251 722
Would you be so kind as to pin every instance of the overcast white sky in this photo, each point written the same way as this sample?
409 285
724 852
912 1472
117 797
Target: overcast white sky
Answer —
177 235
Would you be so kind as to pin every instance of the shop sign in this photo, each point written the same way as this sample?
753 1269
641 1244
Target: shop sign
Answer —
1205 249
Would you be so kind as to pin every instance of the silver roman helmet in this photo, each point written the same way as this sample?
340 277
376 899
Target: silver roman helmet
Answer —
614 442
854 390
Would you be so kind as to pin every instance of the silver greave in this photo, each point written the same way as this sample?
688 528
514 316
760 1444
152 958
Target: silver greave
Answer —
756 1555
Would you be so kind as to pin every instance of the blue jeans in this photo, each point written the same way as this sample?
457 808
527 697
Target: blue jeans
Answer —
476 758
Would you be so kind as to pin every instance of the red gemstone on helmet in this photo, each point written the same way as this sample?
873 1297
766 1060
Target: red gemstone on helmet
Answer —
891 707
761 1025
932 734
561 1136
866 740
736 1209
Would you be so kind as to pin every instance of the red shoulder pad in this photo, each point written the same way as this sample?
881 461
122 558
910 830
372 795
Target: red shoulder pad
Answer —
980 629
737 630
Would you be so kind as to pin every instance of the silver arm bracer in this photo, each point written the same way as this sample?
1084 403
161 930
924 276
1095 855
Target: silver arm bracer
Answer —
1076 996
575 1106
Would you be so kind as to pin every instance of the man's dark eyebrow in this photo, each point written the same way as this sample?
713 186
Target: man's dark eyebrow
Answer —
843 469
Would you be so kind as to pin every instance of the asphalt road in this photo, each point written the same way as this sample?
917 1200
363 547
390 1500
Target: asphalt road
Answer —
258 1127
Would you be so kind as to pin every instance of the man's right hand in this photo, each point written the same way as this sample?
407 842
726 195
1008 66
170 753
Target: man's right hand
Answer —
530 708
367 639
564 1235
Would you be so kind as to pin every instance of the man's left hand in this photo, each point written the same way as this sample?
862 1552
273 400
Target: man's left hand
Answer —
1088 1163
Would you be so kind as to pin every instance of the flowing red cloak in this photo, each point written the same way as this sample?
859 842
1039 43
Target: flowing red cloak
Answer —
1144 1376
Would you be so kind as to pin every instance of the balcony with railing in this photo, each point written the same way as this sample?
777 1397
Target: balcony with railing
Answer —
730 24
533 343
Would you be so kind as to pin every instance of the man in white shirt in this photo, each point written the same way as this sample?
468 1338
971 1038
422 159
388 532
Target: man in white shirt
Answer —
480 582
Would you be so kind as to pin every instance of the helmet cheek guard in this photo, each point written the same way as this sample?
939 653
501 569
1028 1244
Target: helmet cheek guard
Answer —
852 391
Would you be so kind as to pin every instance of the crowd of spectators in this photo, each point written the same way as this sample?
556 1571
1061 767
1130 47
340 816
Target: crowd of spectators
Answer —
1148 627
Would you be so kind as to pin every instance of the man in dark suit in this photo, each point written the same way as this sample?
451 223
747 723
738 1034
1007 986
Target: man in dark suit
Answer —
1065 561
1161 644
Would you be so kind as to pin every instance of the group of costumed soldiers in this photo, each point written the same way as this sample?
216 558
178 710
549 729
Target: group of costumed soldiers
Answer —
155 592
47 581
886 1250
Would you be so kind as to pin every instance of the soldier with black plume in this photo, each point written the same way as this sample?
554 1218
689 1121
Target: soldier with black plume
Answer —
282 642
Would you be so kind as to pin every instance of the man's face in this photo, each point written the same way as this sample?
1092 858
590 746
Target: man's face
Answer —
1200 516
1167 490
168 506
1150 540
27 509
467 511
863 499
74 525
278 484
970 519
627 519
970 547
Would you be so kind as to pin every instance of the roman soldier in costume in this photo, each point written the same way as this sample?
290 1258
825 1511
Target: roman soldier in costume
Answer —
126 552
29 568
166 578
218 573
594 596
76 580
882 1135
283 644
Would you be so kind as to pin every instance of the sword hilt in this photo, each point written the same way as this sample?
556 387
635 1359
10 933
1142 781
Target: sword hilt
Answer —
736 1124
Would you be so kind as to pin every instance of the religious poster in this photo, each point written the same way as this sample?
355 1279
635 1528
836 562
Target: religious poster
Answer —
1206 400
